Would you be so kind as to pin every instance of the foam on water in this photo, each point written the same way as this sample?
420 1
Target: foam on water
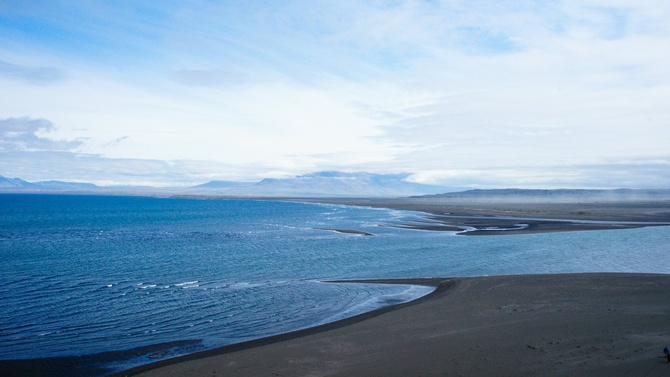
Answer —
374 301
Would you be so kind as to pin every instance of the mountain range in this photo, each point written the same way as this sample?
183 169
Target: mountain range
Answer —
11 184
335 184
339 184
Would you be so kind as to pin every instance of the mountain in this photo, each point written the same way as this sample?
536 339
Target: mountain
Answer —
221 185
324 184
346 184
557 195
60 185
328 183
13 183
339 184
17 184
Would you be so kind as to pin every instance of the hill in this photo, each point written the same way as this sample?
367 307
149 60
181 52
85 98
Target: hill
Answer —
558 195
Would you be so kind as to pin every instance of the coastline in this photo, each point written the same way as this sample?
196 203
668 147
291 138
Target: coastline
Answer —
480 218
478 360
598 324
545 220
440 285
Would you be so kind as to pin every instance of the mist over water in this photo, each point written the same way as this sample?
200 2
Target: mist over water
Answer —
89 274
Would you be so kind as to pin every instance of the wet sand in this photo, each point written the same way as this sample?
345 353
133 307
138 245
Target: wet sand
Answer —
347 231
554 325
508 218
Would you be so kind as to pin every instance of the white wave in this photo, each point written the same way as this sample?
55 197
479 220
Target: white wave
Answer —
246 285
412 292
188 284
195 282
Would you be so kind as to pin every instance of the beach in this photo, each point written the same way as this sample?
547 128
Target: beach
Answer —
502 322
509 217
597 324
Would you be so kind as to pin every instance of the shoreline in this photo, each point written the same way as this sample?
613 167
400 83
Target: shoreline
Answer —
598 324
92 364
435 220
440 284
479 218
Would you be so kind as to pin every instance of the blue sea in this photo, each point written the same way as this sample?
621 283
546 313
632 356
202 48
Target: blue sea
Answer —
90 275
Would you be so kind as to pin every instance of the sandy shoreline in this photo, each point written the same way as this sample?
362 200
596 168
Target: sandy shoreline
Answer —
578 324
573 324
599 324
508 218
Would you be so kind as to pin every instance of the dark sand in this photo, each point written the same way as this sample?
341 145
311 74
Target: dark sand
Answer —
347 231
537 217
528 325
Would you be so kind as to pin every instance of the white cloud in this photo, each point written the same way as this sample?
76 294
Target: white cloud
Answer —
29 74
530 89
28 134
616 174
100 170
211 78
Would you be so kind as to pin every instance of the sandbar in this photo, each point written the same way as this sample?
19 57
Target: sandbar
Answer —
496 217
347 231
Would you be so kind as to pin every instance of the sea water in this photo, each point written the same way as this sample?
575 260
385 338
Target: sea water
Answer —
83 275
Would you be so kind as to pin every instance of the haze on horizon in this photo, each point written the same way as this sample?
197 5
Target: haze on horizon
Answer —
531 94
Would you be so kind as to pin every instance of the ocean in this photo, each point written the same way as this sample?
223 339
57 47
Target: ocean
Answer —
104 283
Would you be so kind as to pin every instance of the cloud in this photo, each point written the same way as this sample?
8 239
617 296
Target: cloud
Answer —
116 141
646 173
493 92
481 41
26 134
210 78
31 75
104 171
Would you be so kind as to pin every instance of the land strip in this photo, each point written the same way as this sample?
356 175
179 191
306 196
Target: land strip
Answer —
498 217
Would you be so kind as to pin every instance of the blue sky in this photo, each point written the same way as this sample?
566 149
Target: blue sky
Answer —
540 94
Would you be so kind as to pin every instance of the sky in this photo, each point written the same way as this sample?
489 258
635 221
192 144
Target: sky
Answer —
476 94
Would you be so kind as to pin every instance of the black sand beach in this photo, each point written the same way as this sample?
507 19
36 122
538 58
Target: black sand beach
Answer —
527 325
509 217
600 324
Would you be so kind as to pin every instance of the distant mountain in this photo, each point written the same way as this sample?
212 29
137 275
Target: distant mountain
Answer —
60 185
13 183
332 183
327 183
572 195
17 184
222 184
339 184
